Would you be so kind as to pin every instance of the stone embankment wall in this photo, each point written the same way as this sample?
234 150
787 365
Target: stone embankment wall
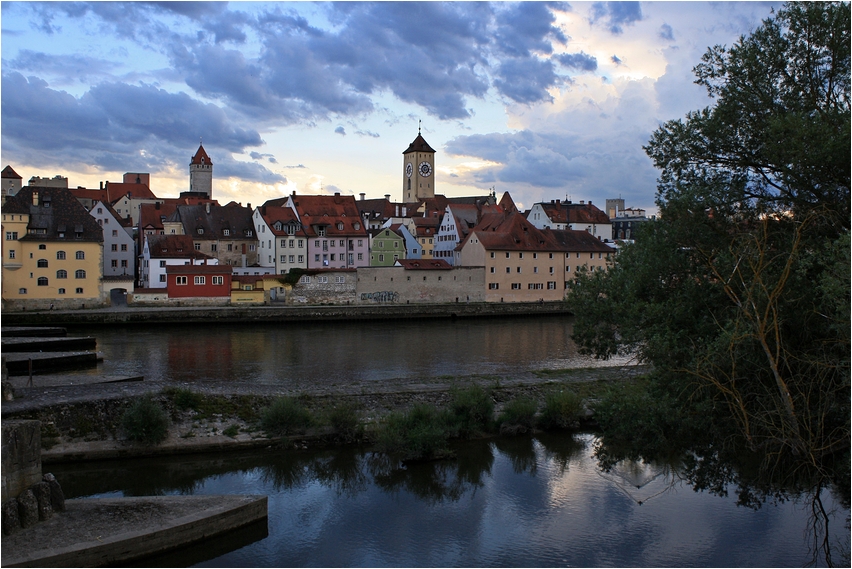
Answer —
28 496
282 313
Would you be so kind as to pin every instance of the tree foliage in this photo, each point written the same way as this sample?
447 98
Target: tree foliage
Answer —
739 294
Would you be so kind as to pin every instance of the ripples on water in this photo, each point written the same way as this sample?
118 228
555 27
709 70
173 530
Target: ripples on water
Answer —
510 502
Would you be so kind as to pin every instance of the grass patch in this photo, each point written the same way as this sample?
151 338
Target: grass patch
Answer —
284 416
208 406
471 411
518 415
562 410
183 399
145 421
418 434
343 419
231 431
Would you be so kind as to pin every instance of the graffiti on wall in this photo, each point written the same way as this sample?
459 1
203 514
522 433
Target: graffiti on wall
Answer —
384 296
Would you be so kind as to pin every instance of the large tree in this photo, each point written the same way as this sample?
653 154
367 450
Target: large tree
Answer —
739 294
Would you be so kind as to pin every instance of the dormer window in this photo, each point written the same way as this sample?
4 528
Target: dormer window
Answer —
321 231
226 232
356 225
278 226
200 230
249 233
340 226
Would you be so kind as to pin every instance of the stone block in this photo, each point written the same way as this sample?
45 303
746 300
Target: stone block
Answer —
21 457
57 497
11 523
42 494
27 509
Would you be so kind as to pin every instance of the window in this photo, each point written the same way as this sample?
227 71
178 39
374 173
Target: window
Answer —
80 255
42 247
124 262
114 263
520 255
493 270
508 269
283 243
114 247
226 232
306 279
41 263
508 255
12 236
551 270
180 280
492 254
536 286
198 246
360 243
301 243
230 246
535 255
567 268
200 231
214 247
360 256
22 291
340 280
283 258
78 290
124 247
60 291
342 243
316 257
200 280
535 270
381 258
162 278
79 274
551 285
332 255
292 258
321 231
519 269
61 274
115 233
301 258
340 226
516 286
218 280
60 255
323 280
42 281
493 286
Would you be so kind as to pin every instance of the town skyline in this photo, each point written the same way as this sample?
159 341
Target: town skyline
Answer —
543 101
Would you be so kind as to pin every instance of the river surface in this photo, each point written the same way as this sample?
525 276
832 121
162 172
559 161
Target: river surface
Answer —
519 502
540 501
329 353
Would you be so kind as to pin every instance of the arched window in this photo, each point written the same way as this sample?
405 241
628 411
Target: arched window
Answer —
22 291
80 255
79 290
61 291
42 281
61 274
42 247
42 263
60 255
79 274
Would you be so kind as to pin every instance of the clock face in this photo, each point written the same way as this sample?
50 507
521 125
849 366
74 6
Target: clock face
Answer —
408 169
425 169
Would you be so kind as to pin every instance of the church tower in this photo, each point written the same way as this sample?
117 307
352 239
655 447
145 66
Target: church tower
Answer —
201 173
418 171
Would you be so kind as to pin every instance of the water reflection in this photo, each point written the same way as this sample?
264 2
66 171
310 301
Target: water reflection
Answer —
522 501
288 355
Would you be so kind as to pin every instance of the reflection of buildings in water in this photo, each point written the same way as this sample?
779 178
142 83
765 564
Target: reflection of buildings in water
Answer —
200 352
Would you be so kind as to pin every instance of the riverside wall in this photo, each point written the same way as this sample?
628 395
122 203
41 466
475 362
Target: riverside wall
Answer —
232 314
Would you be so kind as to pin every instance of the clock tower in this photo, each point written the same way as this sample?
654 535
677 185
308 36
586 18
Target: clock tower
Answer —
418 171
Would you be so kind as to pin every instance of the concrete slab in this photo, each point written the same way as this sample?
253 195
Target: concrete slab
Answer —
31 344
108 531
56 380
18 363
31 331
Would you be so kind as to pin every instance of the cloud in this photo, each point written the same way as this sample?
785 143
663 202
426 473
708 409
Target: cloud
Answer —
666 32
616 15
258 156
68 68
340 130
581 61
526 80
615 59
367 133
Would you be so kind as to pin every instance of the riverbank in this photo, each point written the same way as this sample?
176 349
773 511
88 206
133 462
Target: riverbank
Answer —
82 422
275 313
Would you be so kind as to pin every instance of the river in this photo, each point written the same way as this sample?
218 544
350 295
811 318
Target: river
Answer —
542 501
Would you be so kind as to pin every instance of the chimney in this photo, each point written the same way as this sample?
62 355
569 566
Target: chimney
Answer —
248 205
363 195
582 202
387 197
337 194
208 207
102 184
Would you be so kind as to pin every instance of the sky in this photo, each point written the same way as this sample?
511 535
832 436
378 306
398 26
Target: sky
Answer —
543 100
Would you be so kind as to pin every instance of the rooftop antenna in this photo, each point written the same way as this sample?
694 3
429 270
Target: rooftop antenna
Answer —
418 125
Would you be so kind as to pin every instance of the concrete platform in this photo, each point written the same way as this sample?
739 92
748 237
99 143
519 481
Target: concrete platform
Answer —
32 331
42 344
57 380
17 363
109 531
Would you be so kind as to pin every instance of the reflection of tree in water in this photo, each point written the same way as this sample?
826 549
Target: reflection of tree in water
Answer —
720 470
438 480
560 449
521 452
343 470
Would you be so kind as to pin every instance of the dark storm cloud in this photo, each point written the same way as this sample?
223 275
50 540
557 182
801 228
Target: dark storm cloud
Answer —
524 28
526 80
581 61
615 15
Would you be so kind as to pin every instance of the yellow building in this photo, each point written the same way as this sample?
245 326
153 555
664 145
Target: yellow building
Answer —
52 252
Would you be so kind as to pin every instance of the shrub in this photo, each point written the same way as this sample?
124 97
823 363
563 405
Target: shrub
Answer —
562 410
343 419
184 398
145 421
518 415
471 411
231 431
284 416
420 433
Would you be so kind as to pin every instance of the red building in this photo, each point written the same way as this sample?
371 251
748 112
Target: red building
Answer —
198 281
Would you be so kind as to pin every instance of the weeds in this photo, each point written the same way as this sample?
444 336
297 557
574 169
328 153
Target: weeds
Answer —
471 411
145 421
562 410
285 416
343 419
231 431
518 416
420 433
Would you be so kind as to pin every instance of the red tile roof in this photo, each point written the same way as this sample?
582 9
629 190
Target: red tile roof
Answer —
8 172
173 247
273 214
338 214
201 157
566 212
420 264
117 190
199 269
